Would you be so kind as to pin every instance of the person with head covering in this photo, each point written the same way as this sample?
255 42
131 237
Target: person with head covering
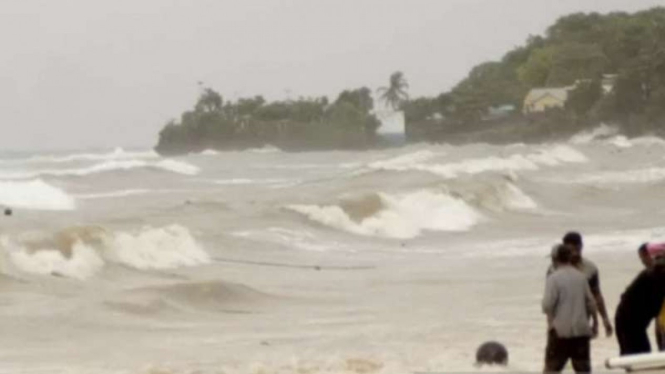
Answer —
574 240
641 303
568 304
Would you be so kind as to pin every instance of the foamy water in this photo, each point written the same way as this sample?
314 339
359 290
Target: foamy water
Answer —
264 261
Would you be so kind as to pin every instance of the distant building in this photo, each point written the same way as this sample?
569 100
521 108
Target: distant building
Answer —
540 99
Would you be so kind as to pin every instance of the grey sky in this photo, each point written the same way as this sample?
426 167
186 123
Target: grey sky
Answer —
93 73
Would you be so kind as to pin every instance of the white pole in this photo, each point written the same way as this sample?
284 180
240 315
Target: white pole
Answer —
637 362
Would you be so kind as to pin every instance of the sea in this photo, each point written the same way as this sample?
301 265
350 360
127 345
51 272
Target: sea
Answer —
399 260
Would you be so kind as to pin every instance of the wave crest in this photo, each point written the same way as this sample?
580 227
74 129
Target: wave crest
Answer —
35 195
552 156
395 216
174 166
80 252
116 154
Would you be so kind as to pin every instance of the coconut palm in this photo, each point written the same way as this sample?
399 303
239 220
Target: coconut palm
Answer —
395 93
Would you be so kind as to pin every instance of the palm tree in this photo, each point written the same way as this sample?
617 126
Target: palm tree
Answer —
395 93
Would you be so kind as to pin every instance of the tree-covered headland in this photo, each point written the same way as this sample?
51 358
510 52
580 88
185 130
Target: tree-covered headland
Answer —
612 68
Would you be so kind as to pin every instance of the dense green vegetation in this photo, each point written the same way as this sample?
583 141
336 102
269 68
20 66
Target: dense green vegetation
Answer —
306 123
577 48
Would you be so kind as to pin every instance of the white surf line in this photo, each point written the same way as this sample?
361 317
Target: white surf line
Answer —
297 266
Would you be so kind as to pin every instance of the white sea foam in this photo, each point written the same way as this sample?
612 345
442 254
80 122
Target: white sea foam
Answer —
516 199
600 132
620 141
551 156
648 175
648 141
299 239
156 248
35 195
81 252
83 263
401 216
116 154
266 149
209 152
174 166
112 194
402 161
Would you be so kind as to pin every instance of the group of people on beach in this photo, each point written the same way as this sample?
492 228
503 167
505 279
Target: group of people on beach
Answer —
573 300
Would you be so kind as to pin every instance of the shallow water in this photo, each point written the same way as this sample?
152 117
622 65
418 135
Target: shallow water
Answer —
391 261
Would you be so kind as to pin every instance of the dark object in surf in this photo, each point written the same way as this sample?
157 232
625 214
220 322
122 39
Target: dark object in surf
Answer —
8 212
492 353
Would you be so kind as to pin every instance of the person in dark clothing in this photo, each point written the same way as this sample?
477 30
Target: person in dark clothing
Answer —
647 252
639 305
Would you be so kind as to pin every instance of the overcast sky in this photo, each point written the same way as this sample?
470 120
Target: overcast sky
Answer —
106 73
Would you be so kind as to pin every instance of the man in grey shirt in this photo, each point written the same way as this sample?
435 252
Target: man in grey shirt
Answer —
568 304
574 241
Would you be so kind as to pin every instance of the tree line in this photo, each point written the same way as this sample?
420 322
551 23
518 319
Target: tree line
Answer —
302 124
577 50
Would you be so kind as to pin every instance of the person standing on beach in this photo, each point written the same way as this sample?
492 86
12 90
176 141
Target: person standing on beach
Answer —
568 305
590 270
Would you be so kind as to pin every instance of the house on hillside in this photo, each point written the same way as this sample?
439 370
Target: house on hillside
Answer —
540 99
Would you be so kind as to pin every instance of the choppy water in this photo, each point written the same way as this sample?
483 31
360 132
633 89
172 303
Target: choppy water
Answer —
261 261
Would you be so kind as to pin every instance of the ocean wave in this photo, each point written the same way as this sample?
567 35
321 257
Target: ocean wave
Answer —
601 132
395 216
406 160
209 152
246 181
300 239
496 197
610 135
205 294
116 154
648 141
551 156
81 252
112 194
174 166
35 195
620 141
648 175
266 149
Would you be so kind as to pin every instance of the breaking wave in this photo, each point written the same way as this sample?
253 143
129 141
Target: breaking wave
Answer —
35 195
496 197
601 132
459 206
611 135
648 175
178 167
81 252
395 216
266 149
112 194
209 152
553 156
116 154
404 160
